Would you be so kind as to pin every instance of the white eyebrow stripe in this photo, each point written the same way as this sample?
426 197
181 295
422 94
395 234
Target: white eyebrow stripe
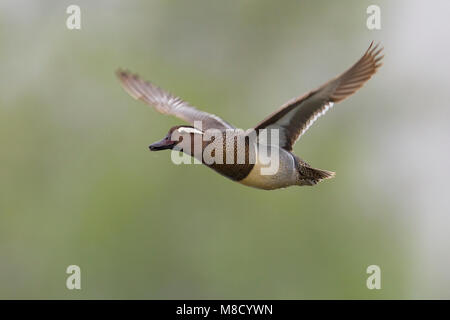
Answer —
189 130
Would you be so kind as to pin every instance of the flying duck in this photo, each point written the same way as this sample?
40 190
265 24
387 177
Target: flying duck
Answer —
289 122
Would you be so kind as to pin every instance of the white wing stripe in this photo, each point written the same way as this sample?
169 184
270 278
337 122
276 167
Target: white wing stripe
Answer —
316 116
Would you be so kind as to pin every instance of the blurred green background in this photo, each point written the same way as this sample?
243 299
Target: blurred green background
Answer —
78 184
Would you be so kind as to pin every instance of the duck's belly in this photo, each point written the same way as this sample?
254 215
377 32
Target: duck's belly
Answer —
272 176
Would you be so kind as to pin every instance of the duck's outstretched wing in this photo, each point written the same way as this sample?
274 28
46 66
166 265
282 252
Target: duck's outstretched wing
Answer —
295 117
167 103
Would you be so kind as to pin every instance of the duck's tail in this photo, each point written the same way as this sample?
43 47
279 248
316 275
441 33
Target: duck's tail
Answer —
311 176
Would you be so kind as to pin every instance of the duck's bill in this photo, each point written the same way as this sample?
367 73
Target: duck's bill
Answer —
162 145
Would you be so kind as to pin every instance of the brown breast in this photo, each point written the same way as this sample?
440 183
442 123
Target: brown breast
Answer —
235 171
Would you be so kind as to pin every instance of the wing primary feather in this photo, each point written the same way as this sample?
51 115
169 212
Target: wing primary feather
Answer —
295 117
166 103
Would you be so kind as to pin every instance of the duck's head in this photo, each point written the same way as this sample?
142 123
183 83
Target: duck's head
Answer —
178 136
